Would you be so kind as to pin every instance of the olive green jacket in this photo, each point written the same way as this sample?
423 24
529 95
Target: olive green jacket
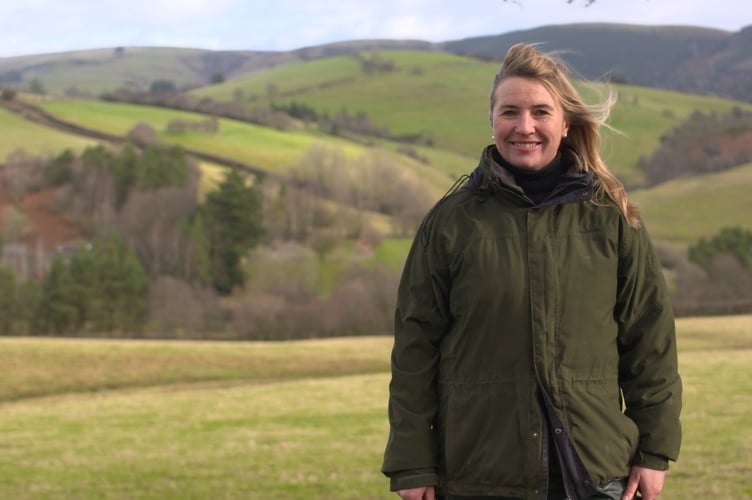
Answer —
502 301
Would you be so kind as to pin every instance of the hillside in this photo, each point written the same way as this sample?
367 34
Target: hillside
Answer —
690 59
438 100
359 147
441 100
681 211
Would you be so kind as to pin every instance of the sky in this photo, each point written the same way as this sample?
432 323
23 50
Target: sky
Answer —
46 26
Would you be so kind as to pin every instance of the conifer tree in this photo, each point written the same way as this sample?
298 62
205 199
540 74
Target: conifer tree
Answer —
233 221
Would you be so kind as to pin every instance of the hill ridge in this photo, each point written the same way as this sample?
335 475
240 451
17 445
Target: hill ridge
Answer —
692 58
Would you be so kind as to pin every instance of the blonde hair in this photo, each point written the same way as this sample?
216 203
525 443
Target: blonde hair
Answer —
585 120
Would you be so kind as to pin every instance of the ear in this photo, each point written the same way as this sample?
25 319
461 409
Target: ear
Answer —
565 132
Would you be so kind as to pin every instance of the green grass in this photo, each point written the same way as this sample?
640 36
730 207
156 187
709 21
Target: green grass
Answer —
716 365
445 98
34 367
681 211
644 114
98 70
441 96
174 420
283 79
269 149
17 133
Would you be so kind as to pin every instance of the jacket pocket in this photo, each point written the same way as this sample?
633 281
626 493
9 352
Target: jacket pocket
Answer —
483 442
605 438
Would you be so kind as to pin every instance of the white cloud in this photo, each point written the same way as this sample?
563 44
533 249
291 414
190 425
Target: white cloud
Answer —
33 26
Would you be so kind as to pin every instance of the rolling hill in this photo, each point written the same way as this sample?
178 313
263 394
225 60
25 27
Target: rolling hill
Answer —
433 106
690 59
684 58
436 99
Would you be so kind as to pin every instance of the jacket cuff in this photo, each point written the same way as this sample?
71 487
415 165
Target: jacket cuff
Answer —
650 461
405 480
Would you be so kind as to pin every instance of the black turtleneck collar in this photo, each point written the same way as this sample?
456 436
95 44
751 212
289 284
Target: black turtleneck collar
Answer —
537 184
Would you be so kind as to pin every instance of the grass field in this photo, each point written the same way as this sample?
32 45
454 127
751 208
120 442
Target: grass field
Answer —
681 211
140 419
272 150
17 133
445 97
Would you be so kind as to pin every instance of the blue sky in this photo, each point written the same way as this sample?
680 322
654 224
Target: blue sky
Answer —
42 26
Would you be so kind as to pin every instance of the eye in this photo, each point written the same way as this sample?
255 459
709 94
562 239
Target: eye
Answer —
542 112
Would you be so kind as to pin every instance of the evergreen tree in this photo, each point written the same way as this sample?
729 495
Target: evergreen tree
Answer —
123 168
96 156
110 288
60 170
162 166
58 313
7 300
104 288
233 221
28 296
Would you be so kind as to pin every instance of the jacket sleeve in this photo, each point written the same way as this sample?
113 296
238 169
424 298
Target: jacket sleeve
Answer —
421 319
648 365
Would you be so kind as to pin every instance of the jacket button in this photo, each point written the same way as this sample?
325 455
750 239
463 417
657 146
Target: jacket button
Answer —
535 435
557 430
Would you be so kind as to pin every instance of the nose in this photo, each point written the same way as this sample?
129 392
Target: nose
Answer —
524 124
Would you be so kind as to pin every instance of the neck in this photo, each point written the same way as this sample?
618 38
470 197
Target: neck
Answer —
537 184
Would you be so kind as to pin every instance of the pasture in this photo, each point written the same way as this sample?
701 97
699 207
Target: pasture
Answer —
19 134
116 419
683 210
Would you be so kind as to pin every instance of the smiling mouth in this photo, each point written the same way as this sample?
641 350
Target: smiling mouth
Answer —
525 145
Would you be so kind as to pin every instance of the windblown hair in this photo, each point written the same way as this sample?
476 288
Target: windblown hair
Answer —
585 120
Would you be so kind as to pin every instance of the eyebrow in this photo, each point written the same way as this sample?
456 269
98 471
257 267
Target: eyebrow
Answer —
534 106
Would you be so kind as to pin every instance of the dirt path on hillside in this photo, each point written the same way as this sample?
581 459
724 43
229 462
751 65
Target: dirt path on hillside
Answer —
42 117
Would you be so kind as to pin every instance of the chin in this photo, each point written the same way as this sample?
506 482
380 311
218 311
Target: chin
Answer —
527 165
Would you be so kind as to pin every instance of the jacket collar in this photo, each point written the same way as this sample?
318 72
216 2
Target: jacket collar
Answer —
489 176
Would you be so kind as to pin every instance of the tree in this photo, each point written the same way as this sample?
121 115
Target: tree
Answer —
162 87
111 287
57 311
60 170
233 222
736 241
196 264
28 295
103 288
7 300
37 87
162 166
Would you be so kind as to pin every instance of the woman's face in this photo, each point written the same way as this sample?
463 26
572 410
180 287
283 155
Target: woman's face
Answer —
528 123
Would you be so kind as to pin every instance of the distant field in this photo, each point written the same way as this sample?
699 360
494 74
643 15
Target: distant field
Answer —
445 98
98 70
272 150
644 114
17 133
264 147
173 420
683 210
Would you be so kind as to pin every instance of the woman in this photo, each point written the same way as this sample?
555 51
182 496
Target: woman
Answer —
534 353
